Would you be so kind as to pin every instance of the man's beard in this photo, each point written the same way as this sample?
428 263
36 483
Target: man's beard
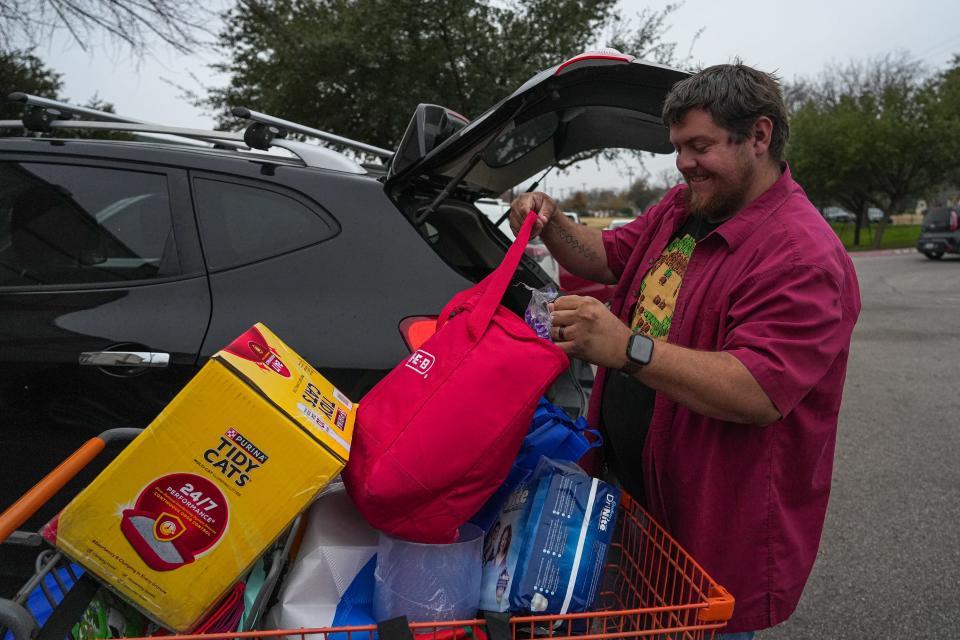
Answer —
728 197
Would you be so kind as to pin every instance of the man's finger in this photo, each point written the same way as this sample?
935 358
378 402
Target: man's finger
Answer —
563 318
527 202
562 333
568 303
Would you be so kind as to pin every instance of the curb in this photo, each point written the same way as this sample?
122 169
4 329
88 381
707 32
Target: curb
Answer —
883 252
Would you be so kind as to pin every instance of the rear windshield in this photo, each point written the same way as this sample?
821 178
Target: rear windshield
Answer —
939 216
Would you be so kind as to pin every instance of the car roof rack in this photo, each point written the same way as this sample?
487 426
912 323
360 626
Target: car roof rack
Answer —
44 115
264 128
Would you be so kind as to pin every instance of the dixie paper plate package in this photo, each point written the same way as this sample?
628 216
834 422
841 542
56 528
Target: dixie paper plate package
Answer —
188 506
564 550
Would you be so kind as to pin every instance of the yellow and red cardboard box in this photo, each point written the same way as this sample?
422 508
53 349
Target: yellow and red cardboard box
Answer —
192 502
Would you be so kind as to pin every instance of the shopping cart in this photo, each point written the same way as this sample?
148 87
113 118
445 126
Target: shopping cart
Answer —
62 590
652 588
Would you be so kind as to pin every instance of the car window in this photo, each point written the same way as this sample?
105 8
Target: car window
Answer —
936 217
71 224
523 139
240 224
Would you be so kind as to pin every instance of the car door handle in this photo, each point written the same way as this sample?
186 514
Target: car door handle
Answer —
124 359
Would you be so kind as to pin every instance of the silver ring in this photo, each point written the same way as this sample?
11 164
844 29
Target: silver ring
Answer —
560 334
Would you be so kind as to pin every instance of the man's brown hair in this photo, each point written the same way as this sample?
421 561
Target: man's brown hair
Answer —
735 95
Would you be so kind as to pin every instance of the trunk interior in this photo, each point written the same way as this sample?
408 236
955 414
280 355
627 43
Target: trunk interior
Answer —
466 240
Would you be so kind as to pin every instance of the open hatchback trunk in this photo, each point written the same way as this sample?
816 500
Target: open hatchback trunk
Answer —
445 162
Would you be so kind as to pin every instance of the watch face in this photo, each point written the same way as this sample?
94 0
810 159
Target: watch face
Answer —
641 349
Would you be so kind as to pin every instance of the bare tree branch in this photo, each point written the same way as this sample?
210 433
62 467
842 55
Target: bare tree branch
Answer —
135 24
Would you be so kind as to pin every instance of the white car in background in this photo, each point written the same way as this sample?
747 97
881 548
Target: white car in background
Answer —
838 215
496 210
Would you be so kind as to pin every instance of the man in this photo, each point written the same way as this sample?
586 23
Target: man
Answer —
724 351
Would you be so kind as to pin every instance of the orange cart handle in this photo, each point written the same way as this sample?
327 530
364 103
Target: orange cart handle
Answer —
31 502
719 607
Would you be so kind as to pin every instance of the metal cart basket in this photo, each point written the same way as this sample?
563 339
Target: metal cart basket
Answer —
652 588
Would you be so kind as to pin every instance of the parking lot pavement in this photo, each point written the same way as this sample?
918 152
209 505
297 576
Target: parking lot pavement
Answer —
889 562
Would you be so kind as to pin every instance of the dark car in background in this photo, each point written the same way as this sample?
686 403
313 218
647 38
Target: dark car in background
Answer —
124 265
939 232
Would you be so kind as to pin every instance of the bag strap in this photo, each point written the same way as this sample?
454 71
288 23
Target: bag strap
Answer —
495 284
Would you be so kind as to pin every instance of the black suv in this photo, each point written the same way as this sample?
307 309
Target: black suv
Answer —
125 264
940 232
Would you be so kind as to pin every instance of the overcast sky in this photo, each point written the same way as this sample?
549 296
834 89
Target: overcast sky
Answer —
793 39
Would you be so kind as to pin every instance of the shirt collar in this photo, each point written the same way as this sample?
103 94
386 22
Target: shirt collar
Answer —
738 228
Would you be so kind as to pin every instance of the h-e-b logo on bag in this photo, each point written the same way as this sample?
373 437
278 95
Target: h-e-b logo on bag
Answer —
421 362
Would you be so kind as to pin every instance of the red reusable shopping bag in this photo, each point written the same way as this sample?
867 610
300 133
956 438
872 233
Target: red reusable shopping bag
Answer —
437 436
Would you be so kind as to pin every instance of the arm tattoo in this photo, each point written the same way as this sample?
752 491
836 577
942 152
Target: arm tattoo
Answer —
576 245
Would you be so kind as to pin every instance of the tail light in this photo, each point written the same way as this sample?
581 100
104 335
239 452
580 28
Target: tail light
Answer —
417 329
954 223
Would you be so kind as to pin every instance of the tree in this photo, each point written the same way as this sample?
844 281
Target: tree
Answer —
643 194
360 67
177 23
23 71
875 133
577 202
947 107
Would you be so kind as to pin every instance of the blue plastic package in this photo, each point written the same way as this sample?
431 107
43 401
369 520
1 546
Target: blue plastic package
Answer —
568 530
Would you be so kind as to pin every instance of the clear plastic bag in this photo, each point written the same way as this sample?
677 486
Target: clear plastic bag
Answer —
427 582
536 314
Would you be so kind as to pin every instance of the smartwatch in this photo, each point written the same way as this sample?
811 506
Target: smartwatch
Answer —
639 352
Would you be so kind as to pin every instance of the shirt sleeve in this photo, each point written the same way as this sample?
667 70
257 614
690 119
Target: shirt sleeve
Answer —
787 329
619 243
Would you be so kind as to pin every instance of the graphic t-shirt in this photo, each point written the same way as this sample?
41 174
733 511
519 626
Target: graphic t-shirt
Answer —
653 311
628 403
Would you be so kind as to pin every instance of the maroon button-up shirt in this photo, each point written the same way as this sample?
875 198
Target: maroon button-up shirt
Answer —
774 287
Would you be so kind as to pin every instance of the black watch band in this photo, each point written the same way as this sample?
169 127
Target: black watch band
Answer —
630 367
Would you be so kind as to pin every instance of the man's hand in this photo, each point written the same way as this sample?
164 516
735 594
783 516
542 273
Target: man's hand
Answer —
584 328
579 249
540 203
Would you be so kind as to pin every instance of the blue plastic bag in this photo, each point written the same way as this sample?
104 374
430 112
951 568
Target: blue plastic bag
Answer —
553 434
356 604
37 602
